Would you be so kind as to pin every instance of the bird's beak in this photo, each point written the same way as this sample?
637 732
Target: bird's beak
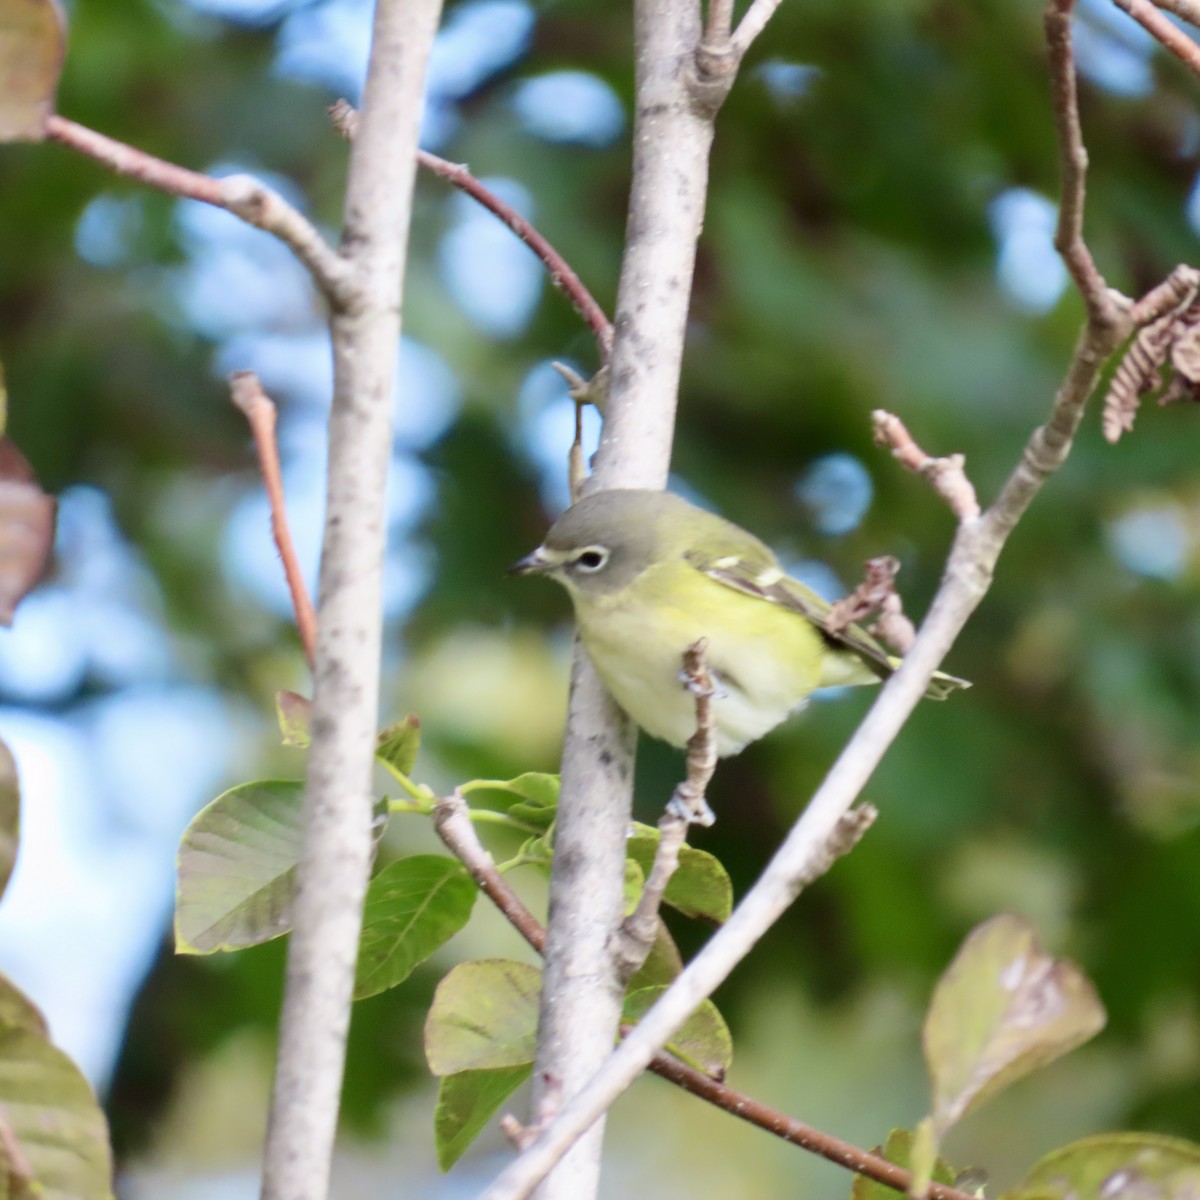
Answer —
532 564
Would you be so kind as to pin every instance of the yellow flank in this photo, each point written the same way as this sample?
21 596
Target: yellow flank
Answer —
767 659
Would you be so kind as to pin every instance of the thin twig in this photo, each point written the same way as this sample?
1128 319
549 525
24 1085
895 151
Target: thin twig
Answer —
718 23
688 806
452 822
752 24
946 475
1185 10
1164 31
458 833
1073 160
562 275
689 803
242 195
716 60
592 391
248 394
1180 285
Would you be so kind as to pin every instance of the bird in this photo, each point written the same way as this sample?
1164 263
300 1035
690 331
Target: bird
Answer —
650 574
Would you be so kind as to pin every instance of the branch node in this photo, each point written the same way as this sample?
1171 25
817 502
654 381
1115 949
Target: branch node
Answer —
521 1136
846 834
947 476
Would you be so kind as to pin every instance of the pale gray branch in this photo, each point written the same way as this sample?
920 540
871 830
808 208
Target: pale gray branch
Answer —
753 23
581 995
335 861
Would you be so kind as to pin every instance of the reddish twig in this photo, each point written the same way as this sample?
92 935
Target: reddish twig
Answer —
453 826
345 121
1182 284
1164 31
456 831
242 195
249 396
1068 238
945 475
592 391
1185 10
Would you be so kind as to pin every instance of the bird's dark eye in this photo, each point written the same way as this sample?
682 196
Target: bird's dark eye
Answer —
591 559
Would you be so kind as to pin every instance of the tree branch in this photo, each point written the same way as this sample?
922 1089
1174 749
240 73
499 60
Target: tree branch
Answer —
753 23
336 854
1165 31
1185 10
259 410
1073 161
562 274
242 195
672 135
946 476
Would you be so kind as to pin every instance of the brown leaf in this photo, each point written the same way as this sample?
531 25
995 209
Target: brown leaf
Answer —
26 528
32 37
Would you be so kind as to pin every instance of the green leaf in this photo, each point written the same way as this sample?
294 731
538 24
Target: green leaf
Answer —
483 1017
923 1157
899 1150
398 745
413 907
703 1041
237 868
31 57
531 798
1002 1009
10 815
17 1011
54 1130
1132 1166
700 887
295 719
466 1103
634 885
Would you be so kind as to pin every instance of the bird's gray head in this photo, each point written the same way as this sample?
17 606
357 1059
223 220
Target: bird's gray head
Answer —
607 540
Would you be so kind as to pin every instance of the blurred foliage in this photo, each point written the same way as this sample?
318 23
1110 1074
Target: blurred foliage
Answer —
847 263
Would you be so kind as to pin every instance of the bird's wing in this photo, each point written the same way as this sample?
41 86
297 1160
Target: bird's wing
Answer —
755 571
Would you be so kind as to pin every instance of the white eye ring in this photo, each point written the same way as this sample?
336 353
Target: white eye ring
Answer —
591 560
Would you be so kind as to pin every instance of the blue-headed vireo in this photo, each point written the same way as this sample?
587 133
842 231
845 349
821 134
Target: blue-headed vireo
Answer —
649 574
